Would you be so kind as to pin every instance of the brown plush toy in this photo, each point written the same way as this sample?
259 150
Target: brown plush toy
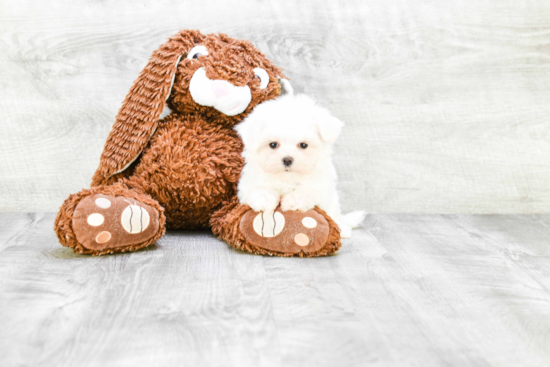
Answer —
182 171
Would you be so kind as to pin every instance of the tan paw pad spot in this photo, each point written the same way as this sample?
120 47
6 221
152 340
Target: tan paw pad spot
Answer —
95 219
269 224
134 219
301 239
309 222
103 203
103 237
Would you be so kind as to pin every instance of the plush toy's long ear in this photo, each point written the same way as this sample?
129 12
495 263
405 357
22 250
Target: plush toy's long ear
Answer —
138 117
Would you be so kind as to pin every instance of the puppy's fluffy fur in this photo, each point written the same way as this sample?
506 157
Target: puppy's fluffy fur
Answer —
288 147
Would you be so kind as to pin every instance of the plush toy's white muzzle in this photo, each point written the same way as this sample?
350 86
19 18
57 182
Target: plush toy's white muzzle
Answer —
220 94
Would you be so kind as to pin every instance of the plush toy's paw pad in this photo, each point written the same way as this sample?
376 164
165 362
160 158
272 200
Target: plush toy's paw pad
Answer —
268 224
287 232
106 222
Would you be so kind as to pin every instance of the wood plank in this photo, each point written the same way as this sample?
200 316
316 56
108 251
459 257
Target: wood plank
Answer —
406 290
12 224
445 102
174 303
460 292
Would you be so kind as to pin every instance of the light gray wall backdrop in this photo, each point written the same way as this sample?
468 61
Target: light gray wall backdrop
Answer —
446 102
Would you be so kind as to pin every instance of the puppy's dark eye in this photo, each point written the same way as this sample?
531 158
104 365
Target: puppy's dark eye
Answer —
196 56
302 145
273 145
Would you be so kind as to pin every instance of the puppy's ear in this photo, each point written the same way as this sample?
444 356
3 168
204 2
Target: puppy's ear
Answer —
249 130
138 117
329 128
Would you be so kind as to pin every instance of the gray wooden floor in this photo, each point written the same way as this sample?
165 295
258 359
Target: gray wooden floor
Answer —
407 290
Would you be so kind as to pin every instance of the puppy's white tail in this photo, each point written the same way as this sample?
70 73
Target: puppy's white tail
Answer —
349 221
353 219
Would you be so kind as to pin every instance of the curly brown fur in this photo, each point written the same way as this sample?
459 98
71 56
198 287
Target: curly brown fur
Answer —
191 166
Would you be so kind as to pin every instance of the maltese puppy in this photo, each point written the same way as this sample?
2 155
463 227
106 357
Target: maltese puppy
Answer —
287 151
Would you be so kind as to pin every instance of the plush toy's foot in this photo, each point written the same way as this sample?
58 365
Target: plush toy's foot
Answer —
104 222
278 233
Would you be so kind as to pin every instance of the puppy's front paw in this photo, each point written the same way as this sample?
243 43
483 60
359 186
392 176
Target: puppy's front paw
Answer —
263 201
296 202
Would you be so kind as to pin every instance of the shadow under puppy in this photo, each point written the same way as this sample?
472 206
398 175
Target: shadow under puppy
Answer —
287 151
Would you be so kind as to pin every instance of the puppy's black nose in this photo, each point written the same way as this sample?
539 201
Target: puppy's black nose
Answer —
287 161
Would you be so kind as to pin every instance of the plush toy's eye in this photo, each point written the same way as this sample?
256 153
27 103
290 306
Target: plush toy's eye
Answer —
262 75
273 145
196 52
302 145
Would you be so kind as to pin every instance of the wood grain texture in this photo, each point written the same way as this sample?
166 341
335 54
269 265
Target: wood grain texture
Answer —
446 103
406 290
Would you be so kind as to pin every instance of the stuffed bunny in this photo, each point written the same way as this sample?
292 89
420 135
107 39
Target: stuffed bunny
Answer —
182 171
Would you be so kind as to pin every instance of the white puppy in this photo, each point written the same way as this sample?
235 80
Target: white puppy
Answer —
288 148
